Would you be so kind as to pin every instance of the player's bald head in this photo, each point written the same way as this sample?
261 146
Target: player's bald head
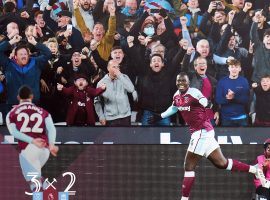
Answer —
25 92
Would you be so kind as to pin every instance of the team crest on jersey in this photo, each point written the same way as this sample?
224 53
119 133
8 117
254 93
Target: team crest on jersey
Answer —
177 100
186 99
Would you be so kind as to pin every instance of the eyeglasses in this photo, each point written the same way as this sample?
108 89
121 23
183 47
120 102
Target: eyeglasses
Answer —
159 51
200 64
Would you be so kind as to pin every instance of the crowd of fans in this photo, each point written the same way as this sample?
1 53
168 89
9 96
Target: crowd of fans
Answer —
91 61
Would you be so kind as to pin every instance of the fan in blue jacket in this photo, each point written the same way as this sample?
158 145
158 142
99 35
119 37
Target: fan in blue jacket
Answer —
22 69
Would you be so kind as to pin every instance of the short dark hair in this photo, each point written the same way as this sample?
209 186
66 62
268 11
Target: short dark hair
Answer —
98 23
155 38
9 7
38 13
28 27
25 92
266 143
266 32
265 76
127 22
22 46
182 74
156 54
116 47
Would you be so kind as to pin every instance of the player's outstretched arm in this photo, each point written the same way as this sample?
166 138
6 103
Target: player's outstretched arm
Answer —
157 116
170 111
154 118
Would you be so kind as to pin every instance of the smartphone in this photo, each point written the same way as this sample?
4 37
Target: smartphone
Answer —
218 5
69 27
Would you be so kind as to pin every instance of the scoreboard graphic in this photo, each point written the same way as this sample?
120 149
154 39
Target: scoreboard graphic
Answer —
128 172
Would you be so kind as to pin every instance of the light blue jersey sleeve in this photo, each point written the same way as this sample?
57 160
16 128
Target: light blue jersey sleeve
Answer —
220 60
51 131
203 101
186 35
170 111
16 133
197 94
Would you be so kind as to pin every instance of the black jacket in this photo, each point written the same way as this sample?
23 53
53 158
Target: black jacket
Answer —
75 40
156 89
262 106
85 68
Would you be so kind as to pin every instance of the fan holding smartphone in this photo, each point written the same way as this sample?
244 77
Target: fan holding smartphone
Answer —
69 28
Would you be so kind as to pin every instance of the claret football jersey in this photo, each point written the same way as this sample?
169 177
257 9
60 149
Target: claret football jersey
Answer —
30 120
191 110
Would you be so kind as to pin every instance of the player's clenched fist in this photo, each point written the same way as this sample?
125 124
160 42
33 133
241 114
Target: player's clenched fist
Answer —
53 149
59 86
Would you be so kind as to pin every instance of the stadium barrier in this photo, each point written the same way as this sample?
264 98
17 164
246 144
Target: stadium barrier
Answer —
148 135
136 172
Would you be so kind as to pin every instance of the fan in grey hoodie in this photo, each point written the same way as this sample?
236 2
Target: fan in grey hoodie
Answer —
112 107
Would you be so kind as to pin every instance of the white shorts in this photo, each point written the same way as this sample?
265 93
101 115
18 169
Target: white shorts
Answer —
203 143
32 159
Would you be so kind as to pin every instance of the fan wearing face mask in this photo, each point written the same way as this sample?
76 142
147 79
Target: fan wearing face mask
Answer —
149 30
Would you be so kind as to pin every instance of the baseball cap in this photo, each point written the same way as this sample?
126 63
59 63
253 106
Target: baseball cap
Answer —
77 76
65 13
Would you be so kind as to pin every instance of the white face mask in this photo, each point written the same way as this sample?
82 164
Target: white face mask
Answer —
149 31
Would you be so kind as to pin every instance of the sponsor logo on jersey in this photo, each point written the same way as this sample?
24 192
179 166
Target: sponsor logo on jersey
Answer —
184 108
